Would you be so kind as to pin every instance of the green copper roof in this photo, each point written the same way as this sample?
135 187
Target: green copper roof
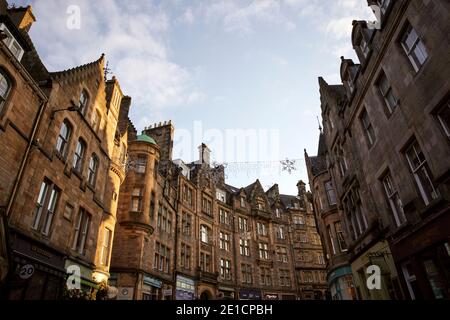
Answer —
146 138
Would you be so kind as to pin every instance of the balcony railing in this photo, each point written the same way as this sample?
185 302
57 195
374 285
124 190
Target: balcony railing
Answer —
207 276
261 214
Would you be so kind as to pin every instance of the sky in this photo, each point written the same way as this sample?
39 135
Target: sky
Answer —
239 75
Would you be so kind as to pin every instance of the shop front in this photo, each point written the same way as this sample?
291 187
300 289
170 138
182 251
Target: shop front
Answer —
340 284
152 289
38 271
379 255
185 288
86 282
250 294
423 260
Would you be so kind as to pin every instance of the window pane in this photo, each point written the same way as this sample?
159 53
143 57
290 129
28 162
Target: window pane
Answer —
426 184
421 52
4 86
411 37
444 118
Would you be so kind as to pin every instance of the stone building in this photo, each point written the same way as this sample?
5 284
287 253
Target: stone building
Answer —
22 103
386 150
66 139
183 233
330 224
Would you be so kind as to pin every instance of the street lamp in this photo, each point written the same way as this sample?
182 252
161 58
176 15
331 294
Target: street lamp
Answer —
72 108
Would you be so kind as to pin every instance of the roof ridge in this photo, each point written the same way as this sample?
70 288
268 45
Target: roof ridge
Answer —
82 67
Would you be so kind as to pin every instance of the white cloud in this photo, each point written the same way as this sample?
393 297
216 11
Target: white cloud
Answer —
188 16
240 16
134 37
340 28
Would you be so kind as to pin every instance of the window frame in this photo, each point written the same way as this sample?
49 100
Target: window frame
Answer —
83 105
394 200
369 130
79 156
382 78
329 187
417 43
64 141
93 170
82 228
46 207
106 247
9 85
423 165
445 127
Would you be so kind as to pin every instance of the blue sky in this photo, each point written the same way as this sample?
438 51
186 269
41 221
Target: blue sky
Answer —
226 64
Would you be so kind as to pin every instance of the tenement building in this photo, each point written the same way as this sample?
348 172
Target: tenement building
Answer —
380 181
183 233
64 138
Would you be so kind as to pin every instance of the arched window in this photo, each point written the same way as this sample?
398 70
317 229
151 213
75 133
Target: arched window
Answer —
62 142
78 156
5 88
93 169
84 100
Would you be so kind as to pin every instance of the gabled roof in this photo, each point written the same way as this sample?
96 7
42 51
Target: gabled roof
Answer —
335 91
231 189
288 200
250 189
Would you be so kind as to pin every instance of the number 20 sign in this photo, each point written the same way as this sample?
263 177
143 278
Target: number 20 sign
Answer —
26 271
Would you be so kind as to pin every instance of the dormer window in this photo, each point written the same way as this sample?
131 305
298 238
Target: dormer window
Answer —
364 46
242 200
11 43
221 195
384 5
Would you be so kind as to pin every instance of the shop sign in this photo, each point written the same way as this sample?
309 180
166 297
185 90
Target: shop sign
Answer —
184 295
85 272
270 296
38 252
185 288
125 293
152 282
167 292
250 294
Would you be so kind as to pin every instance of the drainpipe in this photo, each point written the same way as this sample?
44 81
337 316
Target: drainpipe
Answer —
25 158
175 258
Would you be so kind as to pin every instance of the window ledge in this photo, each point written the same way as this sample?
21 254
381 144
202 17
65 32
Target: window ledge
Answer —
427 210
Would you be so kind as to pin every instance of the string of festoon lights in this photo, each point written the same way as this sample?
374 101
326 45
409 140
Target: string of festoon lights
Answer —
249 168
